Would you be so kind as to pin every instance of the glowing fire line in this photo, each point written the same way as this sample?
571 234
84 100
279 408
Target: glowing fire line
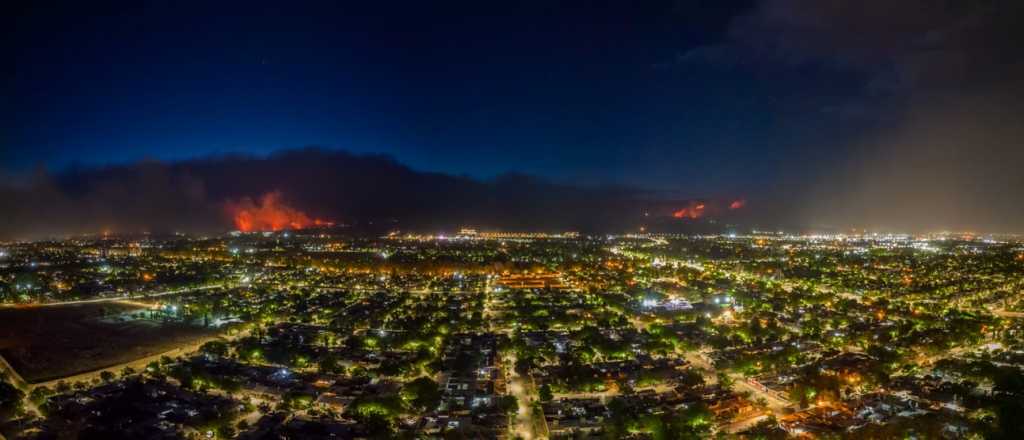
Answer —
270 213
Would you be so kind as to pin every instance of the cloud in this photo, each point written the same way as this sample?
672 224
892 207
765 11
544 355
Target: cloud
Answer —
899 46
299 186
928 180
953 162
938 104
144 197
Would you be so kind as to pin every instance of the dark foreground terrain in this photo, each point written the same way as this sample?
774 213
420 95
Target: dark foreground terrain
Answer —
45 343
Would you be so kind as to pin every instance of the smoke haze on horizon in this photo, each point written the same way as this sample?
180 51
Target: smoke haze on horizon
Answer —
310 187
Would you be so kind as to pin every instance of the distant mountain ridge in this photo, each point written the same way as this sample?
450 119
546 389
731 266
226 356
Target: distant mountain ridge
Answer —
190 195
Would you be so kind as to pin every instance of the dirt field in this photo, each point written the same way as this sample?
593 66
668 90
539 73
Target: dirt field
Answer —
54 342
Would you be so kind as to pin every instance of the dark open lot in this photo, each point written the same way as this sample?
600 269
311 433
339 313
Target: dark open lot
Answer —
45 343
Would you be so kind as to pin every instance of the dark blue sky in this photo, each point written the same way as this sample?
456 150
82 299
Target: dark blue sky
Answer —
607 92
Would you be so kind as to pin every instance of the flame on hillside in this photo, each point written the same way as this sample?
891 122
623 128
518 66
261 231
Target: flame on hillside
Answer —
694 210
269 213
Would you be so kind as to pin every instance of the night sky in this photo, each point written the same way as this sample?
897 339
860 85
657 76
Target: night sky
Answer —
873 114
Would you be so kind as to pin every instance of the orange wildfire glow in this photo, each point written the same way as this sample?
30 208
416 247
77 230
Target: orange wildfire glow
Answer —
268 214
738 204
694 211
